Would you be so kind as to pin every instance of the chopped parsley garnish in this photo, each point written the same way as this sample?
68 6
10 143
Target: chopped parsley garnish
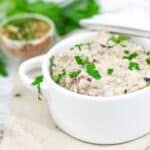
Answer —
3 65
120 38
78 46
130 56
126 51
59 76
114 40
3 71
148 53
18 95
74 74
90 68
81 61
133 66
110 71
37 83
92 71
123 45
148 60
148 83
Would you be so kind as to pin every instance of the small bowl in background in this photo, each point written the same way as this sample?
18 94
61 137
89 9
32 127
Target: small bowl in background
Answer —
24 49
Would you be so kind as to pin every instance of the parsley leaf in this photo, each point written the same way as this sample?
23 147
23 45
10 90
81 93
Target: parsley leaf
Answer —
3 65
110 71
148 60
133 66
114 40
37 83
66 17
148 53
148 83
130 56
91 70
120 38
81 61
79 46
17 95
59 76
3 71
126 51
74 74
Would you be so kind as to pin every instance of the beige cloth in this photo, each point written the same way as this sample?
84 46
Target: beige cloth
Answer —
30 127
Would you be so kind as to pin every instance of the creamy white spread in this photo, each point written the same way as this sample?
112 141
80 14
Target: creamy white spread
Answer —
107 65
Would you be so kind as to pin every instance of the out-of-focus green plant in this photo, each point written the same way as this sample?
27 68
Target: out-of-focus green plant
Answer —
66 17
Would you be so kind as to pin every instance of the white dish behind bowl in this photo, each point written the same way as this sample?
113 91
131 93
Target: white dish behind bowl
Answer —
92 119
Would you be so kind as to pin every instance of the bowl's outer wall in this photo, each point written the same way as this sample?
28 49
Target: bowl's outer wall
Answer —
97 121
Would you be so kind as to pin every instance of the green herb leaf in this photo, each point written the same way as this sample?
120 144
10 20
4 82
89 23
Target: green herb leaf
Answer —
114 40
148 83
123 45
91 70
126 51
110 71
130 56
66 17
79 46
37 83
3 65
148 53
133 66
81 61
18 95
59 76
148 60
3 71
74 74
120 38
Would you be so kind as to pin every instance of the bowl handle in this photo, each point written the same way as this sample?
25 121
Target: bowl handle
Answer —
28 66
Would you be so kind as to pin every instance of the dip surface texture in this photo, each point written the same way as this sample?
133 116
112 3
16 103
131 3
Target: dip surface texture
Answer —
105 66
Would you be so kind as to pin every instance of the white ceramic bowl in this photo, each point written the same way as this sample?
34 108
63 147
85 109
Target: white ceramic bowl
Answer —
92 119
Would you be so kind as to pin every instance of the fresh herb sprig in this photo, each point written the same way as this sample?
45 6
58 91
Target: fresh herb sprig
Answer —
37 83
66 17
